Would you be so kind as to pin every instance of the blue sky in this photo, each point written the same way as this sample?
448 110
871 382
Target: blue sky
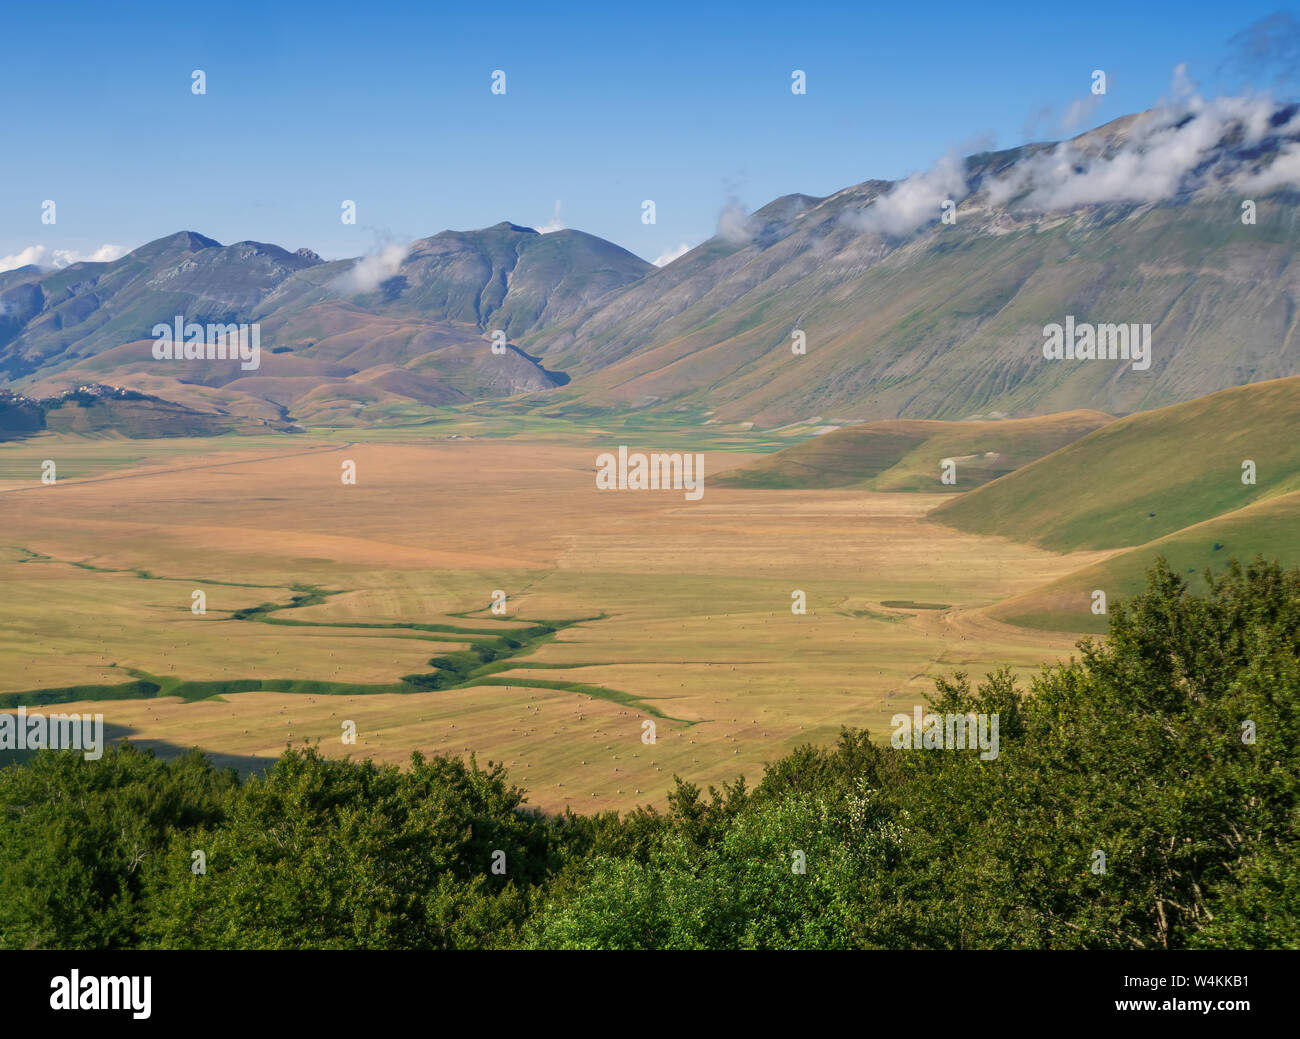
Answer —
606 105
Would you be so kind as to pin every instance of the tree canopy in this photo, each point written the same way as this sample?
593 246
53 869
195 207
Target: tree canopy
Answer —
1145 795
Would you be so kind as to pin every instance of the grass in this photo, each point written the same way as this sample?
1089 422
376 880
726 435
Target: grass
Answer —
672 612
906 454
1267 528
138 690
490 652
1146 476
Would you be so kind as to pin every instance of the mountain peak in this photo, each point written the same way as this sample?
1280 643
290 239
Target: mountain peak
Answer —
181 241
506 225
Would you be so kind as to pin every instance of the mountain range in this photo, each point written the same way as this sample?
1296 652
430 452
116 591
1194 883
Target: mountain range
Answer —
922 299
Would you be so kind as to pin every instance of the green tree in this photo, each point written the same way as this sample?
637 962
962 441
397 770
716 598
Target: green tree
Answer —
324 853
77 837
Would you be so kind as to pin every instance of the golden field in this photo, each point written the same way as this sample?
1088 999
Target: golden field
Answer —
684 608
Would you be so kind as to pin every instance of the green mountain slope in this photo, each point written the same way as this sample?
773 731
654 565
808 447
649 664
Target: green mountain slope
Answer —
503 277
934 320
1148 475
87 308
902 314
905 454
1267 528
344 342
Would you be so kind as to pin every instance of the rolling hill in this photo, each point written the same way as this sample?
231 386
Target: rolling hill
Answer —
1165 482
1146 476
1267 528
905 454
97 410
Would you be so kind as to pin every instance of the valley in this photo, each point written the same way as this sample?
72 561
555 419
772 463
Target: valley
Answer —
484 414
620 609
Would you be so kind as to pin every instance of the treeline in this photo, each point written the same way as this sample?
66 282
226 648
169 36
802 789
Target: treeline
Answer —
1144 796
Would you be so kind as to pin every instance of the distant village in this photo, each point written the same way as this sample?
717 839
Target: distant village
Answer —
86 393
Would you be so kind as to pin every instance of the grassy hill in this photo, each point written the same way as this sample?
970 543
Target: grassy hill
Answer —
1165 482
1267 528
905 454
1146 476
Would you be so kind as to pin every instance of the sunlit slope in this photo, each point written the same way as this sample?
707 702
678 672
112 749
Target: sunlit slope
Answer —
945 325
1148 475
1268 528
906 454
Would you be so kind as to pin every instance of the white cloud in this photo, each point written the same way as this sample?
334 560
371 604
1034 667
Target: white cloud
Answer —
104 254
1284 172
733 223
1181 85
914 201
669 255
1080 112
373 269
555 224
1163 153
35 254
32 254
